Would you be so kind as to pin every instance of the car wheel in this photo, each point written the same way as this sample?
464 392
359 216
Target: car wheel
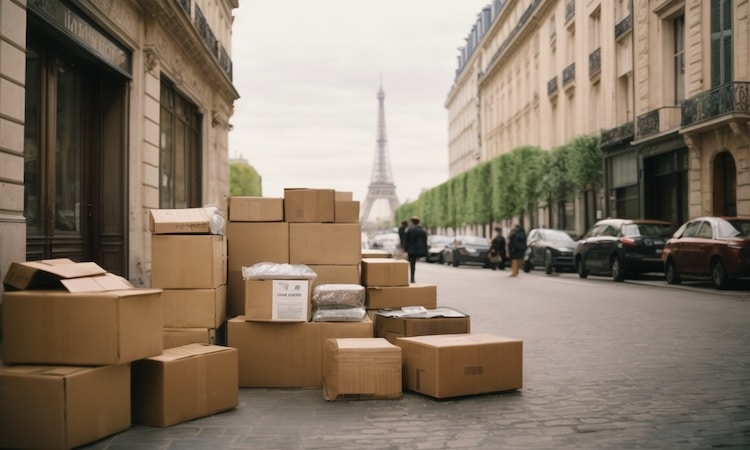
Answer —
670 273
548 266
581 268
719 274
618 272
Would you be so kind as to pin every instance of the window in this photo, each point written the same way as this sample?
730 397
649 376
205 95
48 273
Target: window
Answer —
721 42
179 151
679 59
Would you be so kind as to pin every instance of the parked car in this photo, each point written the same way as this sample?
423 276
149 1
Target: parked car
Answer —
619 247
715 247
437 243
386 241
467 250
549 248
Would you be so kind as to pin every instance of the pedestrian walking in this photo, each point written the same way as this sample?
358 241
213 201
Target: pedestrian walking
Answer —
497 250
415 244
516 248
402 237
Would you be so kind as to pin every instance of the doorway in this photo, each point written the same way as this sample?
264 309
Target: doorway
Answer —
724 185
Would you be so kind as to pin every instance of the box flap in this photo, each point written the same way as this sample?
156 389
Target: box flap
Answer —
47 273
180 221
187 351
99 283
420 312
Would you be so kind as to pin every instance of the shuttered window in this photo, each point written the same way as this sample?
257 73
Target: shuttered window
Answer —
721 42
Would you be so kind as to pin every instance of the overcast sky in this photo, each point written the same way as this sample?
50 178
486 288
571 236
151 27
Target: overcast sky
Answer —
308 73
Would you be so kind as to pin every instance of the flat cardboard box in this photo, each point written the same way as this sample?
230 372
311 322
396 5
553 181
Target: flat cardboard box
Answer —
184 383
194 308
385 272
254 242
335 274
179 221
62 407
47 273
407 322
325 243
278 300
395 297
188 261
361 369
255 209
309 205
276 354
452 365
177 337
91 328
347 211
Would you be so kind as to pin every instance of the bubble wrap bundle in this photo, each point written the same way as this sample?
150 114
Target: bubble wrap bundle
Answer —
339 295
275 271
341 314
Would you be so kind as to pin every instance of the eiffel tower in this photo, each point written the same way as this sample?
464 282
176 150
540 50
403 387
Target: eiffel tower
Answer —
381 184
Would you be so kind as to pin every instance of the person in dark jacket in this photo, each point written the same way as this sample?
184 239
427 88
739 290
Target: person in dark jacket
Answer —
516 248
497 250
415 244
402 236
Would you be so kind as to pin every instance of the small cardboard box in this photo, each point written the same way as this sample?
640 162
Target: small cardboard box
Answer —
177 337
194 308
347 211
179 221
188 262
452 365
325 243
184 383
254 242
62 407
333 274
277 354
309 205
278 300
361 369
385 272
395 297
407 322
256 209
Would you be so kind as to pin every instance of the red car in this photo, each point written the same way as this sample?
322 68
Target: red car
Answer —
715 247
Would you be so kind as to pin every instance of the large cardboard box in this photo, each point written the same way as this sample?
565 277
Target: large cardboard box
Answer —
361 369
177 337
275 354
407 322
62 407
254 242
255 209
184 383
309 205
194 308
385 272
179 221
81 328
188 261
278 300
335 274
452 365
325 243
395 297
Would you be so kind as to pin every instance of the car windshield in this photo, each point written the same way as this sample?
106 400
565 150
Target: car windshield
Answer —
648 229
472 240
556 235
733 228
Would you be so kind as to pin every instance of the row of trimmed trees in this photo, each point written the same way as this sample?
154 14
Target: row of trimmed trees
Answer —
510 186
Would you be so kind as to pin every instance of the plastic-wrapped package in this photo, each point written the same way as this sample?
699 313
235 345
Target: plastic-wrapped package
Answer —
339 295
276 271
331 314
216 221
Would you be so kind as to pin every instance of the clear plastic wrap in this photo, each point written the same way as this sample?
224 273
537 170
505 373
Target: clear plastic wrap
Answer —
330 314
338 295
276 271
216 221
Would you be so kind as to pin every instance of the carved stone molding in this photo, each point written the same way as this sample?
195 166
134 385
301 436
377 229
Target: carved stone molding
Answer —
150 59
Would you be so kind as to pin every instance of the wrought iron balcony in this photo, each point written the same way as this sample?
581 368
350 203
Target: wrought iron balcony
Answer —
648 123
185 4
623 26
660 120
570 10
569 74
552 86
728 98
595 62
623 133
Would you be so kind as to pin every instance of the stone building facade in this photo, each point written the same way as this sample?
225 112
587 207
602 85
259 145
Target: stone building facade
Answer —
109 108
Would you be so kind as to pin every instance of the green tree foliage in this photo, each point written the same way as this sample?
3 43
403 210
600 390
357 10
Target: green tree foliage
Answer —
586 162
244 181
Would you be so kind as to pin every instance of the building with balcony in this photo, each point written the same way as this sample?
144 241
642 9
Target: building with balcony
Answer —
109 108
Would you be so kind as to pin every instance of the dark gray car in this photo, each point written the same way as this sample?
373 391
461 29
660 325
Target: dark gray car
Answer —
549 248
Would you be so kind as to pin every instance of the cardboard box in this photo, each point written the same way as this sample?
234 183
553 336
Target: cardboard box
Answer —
235 294
344 196
275 354
375 253
309 205
179 221
452 365
255 209
184 383
188 262
194 308
278 300
361 369
47 273
89 328
332 274
395 297
177 337
250 243
325 243
385 272
347 211
62 407
393 324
